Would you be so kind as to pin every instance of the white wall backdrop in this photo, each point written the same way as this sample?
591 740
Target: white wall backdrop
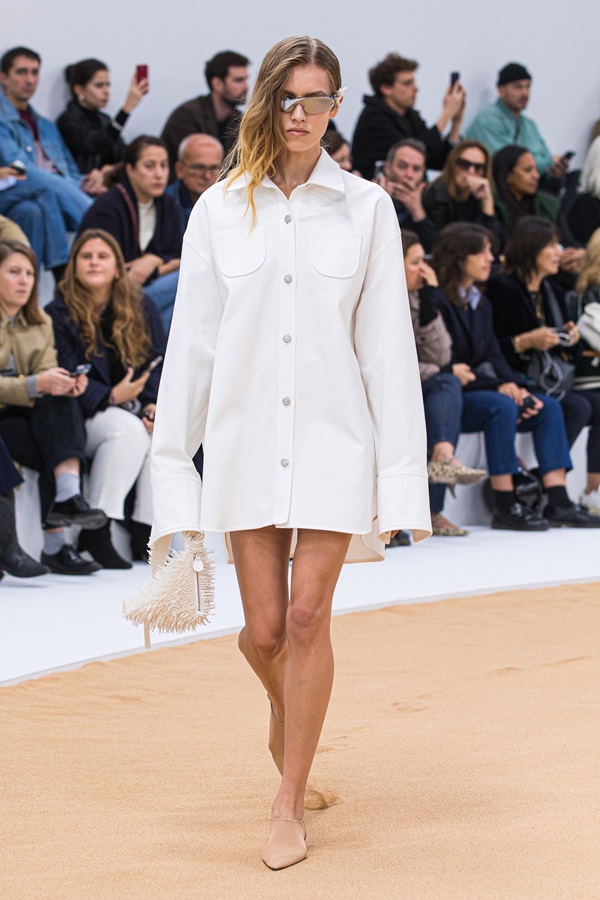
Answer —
558 43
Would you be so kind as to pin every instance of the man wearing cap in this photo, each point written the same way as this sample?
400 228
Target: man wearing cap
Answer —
503 123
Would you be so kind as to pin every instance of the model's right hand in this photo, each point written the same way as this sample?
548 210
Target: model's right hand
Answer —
127 389
56 382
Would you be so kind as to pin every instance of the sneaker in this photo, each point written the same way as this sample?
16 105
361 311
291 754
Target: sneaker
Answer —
519 518
591 502
75 511
68 562
572 516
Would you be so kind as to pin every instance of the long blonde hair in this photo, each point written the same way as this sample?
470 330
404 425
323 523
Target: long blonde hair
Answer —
261 139
130 334
590 271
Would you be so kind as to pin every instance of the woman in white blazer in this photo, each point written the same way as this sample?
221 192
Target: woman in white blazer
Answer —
291 359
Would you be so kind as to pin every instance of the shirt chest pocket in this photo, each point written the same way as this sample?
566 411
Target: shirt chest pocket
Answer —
241 252
336 254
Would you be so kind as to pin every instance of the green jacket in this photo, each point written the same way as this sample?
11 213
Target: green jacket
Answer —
544 205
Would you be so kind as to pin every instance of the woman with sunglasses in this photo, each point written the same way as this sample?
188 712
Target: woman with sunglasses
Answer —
463 192
291 358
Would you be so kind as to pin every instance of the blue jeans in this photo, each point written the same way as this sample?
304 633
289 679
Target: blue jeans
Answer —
71 200
37 211
162 291
443 402
496 415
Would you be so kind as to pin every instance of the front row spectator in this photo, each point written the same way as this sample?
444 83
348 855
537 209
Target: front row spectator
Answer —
104 320
199 161
517 180
463 192
497 400
13 558
530 311
40 419
441 383
339 149
584 214
145 222
404 180
93 138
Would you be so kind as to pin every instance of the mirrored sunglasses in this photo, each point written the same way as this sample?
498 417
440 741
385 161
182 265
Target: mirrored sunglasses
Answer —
312 106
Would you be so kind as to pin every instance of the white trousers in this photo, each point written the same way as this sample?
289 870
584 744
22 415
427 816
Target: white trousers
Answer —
119 447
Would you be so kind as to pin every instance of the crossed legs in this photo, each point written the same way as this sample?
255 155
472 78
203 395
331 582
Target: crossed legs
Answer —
286 638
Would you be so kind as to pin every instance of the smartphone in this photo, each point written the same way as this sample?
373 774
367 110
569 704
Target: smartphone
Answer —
141 73
454 76
83 369
568 155
150 367
18 167
378 170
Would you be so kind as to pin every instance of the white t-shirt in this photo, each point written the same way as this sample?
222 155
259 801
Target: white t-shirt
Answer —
147 217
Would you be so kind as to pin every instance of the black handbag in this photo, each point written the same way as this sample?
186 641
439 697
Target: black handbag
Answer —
550 372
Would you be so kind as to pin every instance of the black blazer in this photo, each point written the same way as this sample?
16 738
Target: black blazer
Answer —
71 349
116 214
474 343
514 313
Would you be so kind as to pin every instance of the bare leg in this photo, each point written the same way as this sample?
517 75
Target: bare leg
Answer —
318 559
593 482
67 467
262 563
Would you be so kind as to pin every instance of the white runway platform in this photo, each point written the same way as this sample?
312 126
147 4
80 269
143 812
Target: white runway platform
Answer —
58 622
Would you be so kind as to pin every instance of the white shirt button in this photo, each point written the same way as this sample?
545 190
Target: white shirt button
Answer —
286 401
287 338
285 463
287 220
287 279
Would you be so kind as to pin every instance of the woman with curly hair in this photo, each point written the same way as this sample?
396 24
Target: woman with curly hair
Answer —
292 360
101 320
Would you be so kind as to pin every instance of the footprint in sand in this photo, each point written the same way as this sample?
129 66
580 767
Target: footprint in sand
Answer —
314 799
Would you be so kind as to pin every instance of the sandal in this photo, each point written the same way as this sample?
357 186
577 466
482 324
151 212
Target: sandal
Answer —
445 528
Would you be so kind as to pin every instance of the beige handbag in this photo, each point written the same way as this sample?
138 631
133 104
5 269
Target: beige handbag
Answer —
180 594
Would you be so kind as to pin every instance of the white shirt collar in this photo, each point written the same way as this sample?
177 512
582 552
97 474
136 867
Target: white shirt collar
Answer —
326 173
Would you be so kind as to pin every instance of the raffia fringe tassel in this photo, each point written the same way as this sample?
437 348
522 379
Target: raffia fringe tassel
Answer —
180 595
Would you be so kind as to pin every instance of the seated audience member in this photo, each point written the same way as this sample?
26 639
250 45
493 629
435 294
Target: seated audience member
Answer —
13 558
10 231
516 179
584 214
145 222
94 138
36 214
199 161
530 312
40 420
339 149
497 400
503 123
404 180
36 141
442 386
389 116
102 319
463 192
215 113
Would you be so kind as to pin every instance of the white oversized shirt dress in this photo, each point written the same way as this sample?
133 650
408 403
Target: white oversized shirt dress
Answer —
291 359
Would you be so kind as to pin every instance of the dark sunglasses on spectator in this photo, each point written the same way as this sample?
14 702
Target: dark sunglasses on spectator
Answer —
312 106
466 165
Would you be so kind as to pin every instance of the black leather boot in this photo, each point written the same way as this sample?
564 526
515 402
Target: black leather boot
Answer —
13 558
99 545
140 535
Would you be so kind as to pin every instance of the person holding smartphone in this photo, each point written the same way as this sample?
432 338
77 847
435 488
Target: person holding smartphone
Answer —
40 419
93 137
103 321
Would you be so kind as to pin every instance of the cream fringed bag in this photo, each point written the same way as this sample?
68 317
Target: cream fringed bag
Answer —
180 594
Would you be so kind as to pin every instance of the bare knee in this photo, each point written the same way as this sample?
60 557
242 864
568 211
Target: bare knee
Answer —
261 645
307 620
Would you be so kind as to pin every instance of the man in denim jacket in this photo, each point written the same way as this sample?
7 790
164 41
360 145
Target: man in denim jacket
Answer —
35 141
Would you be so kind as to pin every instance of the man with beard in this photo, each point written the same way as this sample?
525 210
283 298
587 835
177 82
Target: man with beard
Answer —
215 113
